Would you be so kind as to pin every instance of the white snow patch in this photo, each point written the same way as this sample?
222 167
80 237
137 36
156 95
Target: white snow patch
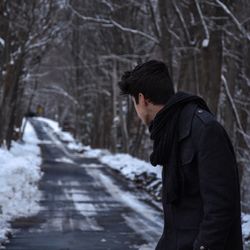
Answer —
205 43
129 166
246 225
64 160
95 153
19 175
2 42
76 146
92 165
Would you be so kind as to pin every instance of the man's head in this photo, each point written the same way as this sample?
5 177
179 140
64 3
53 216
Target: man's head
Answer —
150 86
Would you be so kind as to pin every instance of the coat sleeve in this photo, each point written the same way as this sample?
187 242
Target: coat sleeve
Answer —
218 179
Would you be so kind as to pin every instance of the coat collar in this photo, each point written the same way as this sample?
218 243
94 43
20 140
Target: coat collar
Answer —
185 120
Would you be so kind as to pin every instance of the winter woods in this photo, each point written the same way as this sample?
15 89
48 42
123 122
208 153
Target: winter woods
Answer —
66 57
26 29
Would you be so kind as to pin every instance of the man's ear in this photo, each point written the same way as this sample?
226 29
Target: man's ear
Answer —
143 100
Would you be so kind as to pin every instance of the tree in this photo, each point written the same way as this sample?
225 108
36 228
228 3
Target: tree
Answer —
27 27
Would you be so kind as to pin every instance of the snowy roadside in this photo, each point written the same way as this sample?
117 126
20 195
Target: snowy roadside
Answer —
19 176
142 173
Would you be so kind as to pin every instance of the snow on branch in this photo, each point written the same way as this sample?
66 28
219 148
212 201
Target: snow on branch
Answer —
108 4
206 41
133 31
235 111
31 44
181 18
2 42
87 18
124 58
235 20
112 23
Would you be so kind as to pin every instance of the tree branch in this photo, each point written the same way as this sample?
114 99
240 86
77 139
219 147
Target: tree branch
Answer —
183 23
206 41
234 19
112 23
235 111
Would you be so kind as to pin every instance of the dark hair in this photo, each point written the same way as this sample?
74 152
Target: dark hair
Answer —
152 79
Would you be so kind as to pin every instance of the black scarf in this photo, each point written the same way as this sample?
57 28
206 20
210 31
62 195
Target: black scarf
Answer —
164 133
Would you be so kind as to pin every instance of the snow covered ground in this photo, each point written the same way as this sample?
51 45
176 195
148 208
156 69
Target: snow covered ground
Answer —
19 175
141 172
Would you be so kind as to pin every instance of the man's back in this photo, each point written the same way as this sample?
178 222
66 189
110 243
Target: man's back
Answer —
207 215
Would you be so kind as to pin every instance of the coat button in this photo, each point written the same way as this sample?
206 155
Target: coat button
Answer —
200 111
202 248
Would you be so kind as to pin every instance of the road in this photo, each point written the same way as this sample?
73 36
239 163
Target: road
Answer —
85 206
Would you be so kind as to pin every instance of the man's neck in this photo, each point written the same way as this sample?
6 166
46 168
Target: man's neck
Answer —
154 109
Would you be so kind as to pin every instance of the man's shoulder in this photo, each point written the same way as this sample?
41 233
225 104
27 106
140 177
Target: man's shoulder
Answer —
204 122
204 116
195 119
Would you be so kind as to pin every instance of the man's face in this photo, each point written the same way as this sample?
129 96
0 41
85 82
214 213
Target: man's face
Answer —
142 108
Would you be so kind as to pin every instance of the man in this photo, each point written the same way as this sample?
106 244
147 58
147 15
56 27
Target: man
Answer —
200 192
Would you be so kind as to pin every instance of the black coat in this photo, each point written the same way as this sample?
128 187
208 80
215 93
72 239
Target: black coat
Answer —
208 214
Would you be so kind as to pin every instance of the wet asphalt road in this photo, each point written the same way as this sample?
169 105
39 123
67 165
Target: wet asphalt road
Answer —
85 206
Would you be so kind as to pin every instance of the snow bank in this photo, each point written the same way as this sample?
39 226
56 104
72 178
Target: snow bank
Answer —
95 153
19 175
143 174
130 166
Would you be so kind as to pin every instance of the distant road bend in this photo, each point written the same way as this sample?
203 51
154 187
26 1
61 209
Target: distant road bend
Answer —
85 206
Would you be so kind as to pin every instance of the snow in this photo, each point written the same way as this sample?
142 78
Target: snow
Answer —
64 160
53 124
75 146
95 153
246 225
205 43
130 166
2 42
126 197
19 175
64 136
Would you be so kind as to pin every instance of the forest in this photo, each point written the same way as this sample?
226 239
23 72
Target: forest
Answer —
62 59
